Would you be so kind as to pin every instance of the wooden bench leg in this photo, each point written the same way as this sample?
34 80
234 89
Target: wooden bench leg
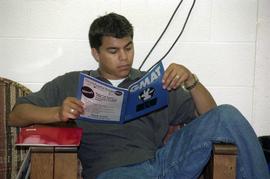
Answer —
49 163
222 164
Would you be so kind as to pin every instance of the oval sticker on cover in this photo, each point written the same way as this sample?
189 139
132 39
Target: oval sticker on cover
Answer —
87 92
118 93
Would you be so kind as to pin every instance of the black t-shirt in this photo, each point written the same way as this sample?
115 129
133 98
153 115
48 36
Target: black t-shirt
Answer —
106 146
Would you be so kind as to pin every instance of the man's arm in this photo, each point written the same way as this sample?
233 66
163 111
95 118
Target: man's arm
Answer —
177 75
202 98
27 114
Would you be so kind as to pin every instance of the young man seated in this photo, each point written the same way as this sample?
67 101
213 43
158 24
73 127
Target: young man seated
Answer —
135 149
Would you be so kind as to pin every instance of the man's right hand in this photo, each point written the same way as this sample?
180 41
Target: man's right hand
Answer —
71 109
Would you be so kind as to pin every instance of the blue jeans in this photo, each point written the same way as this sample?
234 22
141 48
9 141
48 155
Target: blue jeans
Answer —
189 149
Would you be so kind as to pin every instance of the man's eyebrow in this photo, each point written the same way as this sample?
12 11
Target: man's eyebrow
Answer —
129 43
111 48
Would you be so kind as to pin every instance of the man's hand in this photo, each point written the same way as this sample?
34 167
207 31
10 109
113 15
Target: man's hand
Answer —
176 75
71 109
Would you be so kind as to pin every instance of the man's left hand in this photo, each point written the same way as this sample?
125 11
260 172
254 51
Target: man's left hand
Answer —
175 75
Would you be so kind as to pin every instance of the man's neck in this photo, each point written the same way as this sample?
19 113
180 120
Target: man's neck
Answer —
116 82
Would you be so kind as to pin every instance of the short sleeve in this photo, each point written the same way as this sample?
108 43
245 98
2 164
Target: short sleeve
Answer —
54 92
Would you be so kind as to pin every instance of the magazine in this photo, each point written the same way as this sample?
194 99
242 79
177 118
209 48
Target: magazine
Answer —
106 103
49 136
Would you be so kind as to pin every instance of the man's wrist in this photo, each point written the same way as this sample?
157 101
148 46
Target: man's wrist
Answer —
56 114
191 83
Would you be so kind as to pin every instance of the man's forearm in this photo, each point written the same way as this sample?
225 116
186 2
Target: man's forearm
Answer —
202 98
27 114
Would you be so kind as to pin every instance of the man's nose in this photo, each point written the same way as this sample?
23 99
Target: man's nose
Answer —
123 55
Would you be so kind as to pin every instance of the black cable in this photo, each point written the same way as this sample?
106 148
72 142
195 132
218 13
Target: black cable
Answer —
177 38
163 32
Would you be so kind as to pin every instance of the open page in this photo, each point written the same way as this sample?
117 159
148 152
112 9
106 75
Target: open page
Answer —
106 103
103 102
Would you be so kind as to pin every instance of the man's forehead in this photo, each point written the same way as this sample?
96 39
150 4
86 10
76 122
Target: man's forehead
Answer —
109 41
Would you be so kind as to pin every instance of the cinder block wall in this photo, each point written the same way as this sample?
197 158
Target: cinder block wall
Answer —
226 43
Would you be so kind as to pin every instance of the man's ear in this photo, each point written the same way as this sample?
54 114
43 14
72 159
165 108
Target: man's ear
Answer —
95 54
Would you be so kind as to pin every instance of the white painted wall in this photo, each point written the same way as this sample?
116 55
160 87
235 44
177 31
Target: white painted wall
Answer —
226 43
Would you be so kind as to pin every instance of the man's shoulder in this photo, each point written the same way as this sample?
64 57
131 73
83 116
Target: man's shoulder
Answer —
66 79
134 73
74 73
71 74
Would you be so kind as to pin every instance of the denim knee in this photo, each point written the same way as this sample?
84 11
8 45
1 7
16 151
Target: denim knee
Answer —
229 114
227 108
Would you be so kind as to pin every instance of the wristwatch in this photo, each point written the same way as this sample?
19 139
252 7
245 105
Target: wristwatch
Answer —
190 87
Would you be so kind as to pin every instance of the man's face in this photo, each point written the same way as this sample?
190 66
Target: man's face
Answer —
115 57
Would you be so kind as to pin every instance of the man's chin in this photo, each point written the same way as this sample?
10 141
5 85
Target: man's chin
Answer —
123 74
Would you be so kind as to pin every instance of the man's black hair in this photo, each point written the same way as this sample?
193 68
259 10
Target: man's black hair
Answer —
112 24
